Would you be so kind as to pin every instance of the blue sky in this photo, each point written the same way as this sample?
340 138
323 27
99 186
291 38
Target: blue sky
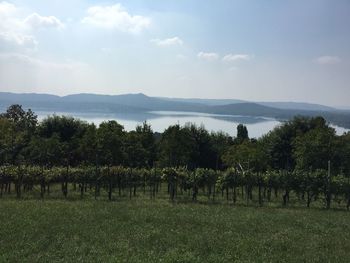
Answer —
250 49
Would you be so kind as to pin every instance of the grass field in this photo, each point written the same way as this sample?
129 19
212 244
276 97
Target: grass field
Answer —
143 230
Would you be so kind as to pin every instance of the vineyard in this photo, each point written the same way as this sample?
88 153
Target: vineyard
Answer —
302 161
230 185
74 192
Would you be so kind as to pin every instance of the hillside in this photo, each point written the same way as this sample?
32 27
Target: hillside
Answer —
133 103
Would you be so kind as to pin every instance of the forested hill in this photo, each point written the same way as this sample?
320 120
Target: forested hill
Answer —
109 103
130 103
279 104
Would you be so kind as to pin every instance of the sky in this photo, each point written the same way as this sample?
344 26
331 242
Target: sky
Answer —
291 50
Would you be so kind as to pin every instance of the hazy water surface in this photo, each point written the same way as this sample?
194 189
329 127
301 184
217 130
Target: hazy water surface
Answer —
257 126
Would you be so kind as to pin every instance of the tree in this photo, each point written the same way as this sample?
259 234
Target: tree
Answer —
242 133
18 130
88 145
23 120
6 136
318 149
220 142
147 139
279 142
202 153
45 151
110 136
135 154
176 147
70 131
315 148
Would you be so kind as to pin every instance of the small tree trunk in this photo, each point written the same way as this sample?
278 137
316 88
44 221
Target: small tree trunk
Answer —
234 195
260 190
65 183
247 194
286 197
154 191
110 184
214 187
82 190
96 189
195 192
328 191
110 191
260 196
42 189
309 198
2 189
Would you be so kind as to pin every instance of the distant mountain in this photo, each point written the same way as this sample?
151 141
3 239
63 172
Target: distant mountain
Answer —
209 102
152 103
91 102
278 105
45 102
139 100
140 103
297 106
247 108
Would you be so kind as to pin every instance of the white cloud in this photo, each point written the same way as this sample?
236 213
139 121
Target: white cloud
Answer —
174 41
16 29
37 21
210 56
328 60
116 17
7 9
236 57
13 32
8 39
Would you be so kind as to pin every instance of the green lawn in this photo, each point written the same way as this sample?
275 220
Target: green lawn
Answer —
142 230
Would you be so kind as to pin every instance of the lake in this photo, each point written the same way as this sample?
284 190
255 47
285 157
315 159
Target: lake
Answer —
160 120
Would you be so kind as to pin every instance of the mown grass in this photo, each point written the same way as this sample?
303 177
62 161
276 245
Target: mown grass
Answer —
144 230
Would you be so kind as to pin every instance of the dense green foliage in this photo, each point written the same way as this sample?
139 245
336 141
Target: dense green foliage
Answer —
303 156
247 187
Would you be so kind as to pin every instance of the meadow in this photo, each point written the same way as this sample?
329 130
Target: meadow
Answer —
158 230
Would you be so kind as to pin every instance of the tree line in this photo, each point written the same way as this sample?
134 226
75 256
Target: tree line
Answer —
303 156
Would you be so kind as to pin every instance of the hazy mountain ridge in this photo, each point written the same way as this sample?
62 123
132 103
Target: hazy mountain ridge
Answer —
297 106
136 102
278 104
209 102
142 99
131 103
